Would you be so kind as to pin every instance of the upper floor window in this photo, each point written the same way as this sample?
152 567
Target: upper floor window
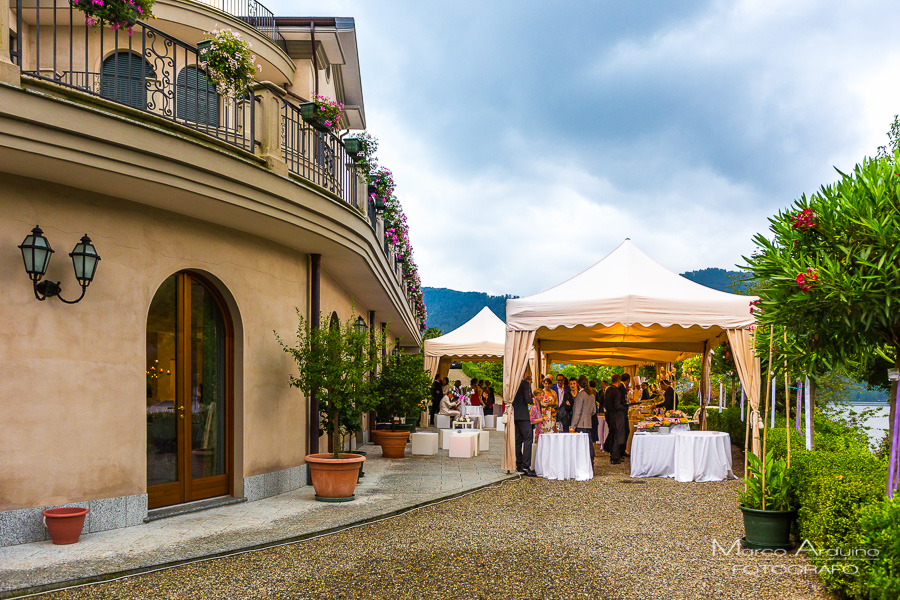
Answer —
196 98
123 78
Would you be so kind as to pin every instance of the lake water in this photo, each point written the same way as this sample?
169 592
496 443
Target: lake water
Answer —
878 423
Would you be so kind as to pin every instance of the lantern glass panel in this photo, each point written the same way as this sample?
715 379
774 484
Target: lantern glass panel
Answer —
84 259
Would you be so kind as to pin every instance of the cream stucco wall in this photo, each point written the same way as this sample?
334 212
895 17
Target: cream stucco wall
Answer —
73 377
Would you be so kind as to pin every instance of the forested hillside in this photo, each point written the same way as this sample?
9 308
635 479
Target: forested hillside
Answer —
448 309
717 279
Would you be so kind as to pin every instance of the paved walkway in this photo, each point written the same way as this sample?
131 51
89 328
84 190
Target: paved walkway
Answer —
389 486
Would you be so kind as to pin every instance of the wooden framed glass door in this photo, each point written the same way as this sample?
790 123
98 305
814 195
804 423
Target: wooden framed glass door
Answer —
189 393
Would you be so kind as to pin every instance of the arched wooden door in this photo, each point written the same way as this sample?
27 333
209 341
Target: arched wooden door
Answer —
189 392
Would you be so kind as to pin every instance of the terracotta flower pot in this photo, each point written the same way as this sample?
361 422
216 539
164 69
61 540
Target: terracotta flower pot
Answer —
376 433
334 479
393 443
65 524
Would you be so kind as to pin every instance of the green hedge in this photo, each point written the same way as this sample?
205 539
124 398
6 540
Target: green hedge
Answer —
832 490
881 532
729 421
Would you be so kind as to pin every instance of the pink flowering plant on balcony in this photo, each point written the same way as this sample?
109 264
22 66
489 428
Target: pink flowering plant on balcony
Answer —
328 112
229 61
381 190
118 14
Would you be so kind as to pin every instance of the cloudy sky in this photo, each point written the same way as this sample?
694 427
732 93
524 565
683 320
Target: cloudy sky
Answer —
528 139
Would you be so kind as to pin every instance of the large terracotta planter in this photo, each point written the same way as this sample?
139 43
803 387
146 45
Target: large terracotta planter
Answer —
393 443
65 524
334 479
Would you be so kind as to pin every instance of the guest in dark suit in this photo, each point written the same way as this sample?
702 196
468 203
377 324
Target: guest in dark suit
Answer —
522 422
616 407
437 393
566 407
595 418
668 395
562 384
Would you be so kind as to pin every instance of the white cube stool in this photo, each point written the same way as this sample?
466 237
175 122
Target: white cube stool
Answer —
500 425
445 438
484 441
425 443
462 445
489 422
474 435
442 421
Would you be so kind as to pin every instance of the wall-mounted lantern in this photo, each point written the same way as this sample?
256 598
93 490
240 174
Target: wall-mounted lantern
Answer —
361 326
36 252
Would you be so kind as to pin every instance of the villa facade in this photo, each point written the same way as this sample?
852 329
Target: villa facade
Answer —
215 221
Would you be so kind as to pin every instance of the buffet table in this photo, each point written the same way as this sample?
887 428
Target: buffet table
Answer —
683 455
563 456
703 456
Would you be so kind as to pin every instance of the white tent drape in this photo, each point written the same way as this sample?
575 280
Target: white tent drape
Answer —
747 363
518 352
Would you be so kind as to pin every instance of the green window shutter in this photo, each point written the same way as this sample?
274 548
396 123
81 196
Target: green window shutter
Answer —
196 98
123 78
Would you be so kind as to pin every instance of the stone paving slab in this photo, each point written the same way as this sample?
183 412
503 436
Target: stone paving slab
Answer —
389 486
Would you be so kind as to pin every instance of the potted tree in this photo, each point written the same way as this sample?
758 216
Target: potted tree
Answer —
765 504
334 363
401 387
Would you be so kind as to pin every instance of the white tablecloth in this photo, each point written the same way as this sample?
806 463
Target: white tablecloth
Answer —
477 412
653 455
702 456
563 456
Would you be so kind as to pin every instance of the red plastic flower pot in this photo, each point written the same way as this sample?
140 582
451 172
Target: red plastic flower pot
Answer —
65 524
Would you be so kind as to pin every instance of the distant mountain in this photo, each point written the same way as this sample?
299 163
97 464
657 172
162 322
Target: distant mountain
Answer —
718 279
448 309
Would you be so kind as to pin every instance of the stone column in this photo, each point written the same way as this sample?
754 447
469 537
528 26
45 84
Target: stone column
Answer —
268 125
9 73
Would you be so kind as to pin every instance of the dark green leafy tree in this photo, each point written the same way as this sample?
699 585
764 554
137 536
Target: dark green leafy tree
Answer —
830 275
402 387
433 332
334 363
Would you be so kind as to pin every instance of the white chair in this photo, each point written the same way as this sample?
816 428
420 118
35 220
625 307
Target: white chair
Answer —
442 421
484 441
445 438
462 445
490 421
425 443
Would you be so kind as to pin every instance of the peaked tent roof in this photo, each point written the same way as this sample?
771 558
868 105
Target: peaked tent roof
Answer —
483 335
627 309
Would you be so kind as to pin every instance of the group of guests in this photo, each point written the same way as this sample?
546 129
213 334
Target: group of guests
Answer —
446 400
575 405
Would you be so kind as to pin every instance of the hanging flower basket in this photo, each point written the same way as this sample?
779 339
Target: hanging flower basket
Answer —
229 62
322 113
118 14
353 146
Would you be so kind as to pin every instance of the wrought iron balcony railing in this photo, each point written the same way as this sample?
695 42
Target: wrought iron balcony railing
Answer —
317 156
252 13
148 70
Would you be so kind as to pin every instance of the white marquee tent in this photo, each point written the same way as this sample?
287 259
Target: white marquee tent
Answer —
481 338
628 310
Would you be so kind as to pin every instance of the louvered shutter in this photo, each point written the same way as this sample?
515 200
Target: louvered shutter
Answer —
123 78
196 98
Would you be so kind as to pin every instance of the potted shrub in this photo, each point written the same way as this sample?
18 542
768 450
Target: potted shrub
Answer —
765 504
322 113
119 14
334 363
229 61
401 387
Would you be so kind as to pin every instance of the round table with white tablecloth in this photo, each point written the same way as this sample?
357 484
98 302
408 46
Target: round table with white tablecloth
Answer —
563 456
703 456
476 412
653 455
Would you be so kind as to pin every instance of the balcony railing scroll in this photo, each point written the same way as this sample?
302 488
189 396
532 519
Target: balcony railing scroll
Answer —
147 69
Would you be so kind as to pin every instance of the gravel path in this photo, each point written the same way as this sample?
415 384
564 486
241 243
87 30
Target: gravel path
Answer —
609 538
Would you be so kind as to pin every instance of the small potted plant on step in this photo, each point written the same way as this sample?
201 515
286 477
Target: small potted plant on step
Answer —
401 387
334 363
765 504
